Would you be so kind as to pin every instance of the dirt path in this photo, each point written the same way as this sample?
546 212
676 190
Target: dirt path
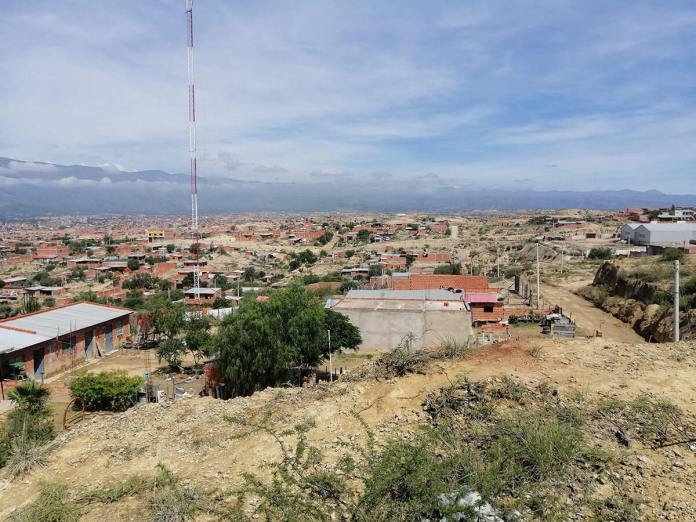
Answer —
588 317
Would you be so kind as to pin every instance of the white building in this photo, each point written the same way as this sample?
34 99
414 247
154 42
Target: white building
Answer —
665 234
627 232
386 317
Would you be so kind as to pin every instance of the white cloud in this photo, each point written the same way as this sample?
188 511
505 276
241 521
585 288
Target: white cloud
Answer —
288 90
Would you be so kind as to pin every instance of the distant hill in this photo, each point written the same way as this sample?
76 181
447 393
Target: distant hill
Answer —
30 189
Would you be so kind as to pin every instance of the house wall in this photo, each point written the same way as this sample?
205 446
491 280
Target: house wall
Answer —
386 328
57 360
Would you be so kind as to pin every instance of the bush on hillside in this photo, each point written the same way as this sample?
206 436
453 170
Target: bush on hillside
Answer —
109 390
27 428
600 253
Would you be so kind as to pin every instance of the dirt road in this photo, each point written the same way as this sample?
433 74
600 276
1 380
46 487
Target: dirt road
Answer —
587 316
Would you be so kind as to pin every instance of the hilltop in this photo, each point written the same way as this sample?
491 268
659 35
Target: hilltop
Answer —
193 439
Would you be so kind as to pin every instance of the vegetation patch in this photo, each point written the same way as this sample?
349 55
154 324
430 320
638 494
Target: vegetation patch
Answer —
655 422
483 455
109 390
26 434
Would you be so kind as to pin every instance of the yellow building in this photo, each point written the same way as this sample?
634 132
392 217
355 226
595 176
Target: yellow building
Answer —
155 235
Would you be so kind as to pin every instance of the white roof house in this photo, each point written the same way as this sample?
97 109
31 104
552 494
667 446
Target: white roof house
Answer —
666 234
31 329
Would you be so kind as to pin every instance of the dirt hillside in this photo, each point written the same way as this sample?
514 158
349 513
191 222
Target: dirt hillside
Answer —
193 439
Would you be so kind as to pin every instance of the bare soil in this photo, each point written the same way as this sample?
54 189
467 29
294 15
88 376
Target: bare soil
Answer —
192 438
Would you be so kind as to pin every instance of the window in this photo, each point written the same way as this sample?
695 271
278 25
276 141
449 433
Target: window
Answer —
488 309
67 345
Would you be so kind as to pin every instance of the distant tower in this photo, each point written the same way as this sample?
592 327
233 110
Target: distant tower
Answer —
192 151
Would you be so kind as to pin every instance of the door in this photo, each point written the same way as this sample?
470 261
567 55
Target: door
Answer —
108 342
39 363
89 345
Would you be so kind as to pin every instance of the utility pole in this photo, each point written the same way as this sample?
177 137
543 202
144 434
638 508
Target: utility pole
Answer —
562 256
330 361
676 301
497 261
538 285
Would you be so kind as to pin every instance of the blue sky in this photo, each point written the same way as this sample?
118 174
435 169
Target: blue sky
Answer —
536 94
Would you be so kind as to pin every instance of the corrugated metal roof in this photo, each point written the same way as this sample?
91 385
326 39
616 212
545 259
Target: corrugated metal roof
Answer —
671 227
11 340
51 323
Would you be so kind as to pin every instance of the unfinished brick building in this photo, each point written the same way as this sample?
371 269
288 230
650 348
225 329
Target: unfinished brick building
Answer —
49 341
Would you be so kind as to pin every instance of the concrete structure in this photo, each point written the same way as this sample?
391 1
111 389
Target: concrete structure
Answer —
677 214
49 341
386 317
665 234
203 296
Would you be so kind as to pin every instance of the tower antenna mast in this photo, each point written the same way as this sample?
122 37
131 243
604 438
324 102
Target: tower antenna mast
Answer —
192 152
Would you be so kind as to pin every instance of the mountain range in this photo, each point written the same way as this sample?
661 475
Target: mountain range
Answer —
30 189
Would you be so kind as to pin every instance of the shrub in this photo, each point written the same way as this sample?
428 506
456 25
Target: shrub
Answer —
109 390
27 428
51 506
600 253
672 254
690 286
657 422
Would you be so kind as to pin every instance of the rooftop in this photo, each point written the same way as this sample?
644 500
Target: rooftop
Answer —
30 329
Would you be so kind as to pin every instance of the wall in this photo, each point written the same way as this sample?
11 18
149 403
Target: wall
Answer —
57 360
386 328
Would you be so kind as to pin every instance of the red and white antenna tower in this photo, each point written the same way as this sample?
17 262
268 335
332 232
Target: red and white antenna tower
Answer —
192 151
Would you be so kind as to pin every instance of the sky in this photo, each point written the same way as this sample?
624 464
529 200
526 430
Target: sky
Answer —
535 94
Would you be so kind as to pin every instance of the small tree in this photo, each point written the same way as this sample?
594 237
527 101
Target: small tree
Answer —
344 334
133 264
171 350
198 344
169 320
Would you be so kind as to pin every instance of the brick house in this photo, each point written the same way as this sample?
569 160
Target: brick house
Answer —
49 341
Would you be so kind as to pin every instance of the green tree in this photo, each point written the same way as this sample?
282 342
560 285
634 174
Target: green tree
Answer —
30 396
449 269
249 274
410 258
134 299
344 334
172 351
251 354
261 341
169 319
133 264
363 235
198 344
170 248
221 302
